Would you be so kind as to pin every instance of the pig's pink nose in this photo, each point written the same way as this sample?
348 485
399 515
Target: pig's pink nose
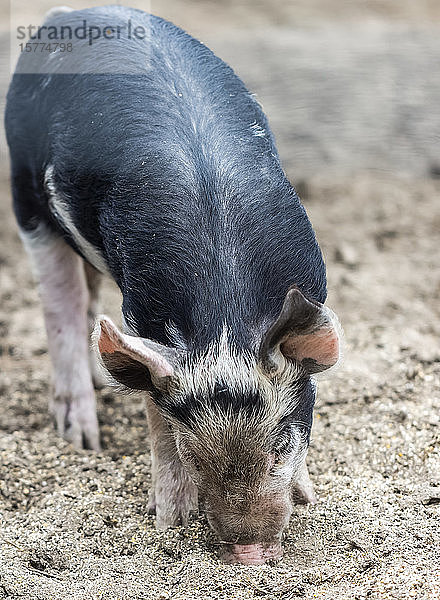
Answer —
252 554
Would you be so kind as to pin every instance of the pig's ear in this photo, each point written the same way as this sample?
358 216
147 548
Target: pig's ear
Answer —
305 331
137 363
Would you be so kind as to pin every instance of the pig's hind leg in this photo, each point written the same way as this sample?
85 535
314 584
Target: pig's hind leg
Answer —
173 496
65 297
94 279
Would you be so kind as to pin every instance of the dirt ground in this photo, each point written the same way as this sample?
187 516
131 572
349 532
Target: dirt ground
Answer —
73 525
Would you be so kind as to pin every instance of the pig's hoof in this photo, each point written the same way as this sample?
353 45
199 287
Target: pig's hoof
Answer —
151 506
99 380
76 422
175 515
174 508
302 491
303 494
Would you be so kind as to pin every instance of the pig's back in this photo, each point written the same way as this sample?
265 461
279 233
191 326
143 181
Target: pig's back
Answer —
172 175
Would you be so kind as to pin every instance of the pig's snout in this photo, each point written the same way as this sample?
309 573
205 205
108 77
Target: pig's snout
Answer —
251 554
250 533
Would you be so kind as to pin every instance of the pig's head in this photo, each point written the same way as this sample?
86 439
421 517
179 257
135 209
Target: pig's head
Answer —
241 420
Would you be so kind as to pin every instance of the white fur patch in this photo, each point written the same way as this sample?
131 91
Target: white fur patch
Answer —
175 337
60 210
257 130
239 371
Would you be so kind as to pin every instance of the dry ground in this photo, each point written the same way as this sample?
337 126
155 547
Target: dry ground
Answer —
73 525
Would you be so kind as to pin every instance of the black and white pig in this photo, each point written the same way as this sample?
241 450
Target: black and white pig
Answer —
167 179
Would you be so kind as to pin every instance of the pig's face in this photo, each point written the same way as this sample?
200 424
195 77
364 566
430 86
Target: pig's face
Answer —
241 419
243 438
245 488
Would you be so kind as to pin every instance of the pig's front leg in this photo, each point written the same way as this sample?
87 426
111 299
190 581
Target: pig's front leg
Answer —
64 294
173 495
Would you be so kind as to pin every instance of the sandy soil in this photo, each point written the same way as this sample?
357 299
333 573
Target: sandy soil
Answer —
73 525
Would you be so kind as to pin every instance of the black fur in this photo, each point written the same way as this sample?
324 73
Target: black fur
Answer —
223 399
301 416
163 174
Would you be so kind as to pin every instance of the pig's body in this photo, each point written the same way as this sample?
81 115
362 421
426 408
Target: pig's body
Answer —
170 182
173 180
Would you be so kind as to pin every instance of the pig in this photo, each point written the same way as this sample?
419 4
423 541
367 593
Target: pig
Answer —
149 162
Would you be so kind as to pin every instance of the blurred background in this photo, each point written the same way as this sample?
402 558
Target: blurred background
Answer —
347 85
